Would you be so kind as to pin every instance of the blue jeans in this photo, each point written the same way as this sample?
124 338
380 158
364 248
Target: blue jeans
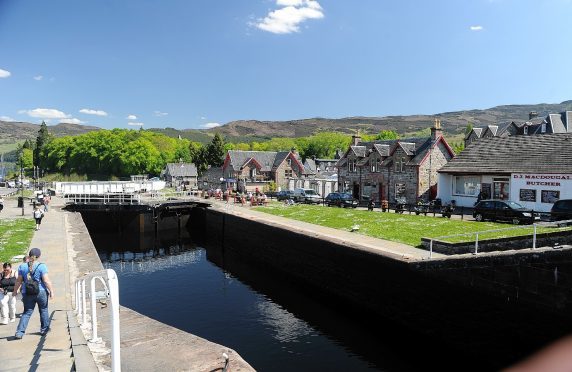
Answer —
29 304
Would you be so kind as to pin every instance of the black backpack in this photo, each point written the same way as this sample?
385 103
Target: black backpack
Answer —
32 286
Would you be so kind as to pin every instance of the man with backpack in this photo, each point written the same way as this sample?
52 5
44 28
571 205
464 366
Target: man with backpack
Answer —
36 289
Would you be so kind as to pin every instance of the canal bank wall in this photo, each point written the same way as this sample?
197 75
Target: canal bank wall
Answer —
146 344
502 304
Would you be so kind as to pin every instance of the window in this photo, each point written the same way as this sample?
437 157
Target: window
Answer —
466 185
288 173
526 129
351 165
289 161
372 164
253 172
543 128
400 164
378 164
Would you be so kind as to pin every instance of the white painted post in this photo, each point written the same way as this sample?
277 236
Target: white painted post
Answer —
83 309
476 243
77 296
431 249
115 337
534 237
94 337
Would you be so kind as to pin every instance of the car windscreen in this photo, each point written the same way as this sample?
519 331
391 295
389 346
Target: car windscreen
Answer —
346 197
310 192
514 205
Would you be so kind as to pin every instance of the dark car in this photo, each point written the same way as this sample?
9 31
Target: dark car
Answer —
561 210
503 210
341 200
284 195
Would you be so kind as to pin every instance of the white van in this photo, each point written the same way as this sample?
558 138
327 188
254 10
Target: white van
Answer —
306 196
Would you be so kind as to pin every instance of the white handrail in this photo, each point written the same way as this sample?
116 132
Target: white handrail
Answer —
110 277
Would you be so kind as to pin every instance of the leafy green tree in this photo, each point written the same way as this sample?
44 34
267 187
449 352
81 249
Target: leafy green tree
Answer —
469 128
26 159
458 147
322 145
387 135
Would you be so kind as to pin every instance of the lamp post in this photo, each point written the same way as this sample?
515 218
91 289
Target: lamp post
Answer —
22 181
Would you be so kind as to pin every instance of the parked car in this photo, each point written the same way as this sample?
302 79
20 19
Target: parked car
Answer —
561 210
306 196
340 199
284 195
503 210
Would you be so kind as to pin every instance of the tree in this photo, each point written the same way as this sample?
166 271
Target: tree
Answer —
41 141
469 128
215 151
387 135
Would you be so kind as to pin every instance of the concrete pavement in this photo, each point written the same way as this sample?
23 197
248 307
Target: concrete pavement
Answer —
52 352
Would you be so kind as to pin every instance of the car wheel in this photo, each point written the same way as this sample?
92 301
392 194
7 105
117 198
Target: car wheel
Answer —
479 217
515 221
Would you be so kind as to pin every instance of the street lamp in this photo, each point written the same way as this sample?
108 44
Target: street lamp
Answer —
22 181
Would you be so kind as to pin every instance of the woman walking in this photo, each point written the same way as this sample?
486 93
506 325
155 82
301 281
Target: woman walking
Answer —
38 215
7 298
36 272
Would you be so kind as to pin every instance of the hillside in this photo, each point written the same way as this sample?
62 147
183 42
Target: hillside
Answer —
453 123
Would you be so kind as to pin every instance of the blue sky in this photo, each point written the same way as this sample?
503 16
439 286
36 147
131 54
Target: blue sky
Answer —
202 63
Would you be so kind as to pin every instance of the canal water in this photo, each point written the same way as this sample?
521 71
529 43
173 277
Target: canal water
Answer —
274 324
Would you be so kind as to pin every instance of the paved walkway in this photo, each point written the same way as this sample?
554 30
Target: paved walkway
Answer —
52 352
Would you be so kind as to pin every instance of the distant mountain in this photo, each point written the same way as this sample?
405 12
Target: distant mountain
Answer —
17 131
453 123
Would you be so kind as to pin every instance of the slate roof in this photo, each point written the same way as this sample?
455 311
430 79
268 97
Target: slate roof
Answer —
550 153
264 158
181 170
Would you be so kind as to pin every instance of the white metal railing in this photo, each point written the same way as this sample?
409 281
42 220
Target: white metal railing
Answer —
110 283
558 224
107 198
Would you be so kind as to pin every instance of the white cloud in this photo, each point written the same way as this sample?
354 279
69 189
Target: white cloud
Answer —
43 113
6 118
93 112
203 118
4 73
135 124
38 78
476 28
159 113
211 125
288 18
131 117
72 121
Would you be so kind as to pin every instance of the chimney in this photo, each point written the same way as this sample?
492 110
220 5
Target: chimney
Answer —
436 131
532 115
356 139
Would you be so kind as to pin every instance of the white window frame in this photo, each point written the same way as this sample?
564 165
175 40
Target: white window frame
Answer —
543 128
473 188
351 165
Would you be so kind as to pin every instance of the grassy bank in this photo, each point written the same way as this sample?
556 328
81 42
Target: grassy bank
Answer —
402 228
15 237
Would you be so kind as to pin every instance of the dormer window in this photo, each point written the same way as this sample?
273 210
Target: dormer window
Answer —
400 165
351 165
372 164
289 161
526 129
543 128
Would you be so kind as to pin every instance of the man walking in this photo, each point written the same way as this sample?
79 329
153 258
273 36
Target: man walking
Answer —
36 289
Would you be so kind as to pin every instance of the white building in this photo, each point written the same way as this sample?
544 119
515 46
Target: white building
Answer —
534 171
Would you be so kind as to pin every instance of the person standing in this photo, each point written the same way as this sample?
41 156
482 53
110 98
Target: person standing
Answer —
38 272
7 299
47 200
38 215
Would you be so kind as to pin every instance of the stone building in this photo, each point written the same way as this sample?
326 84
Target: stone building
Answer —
402 168
179 174
552 123
247 170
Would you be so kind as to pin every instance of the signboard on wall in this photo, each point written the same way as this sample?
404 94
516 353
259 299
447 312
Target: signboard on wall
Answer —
549 196
546 187
527 195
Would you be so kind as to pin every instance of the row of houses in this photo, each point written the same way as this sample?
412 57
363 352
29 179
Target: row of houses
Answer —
527 162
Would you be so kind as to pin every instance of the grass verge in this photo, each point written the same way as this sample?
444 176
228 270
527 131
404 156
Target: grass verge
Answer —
15 237
402 228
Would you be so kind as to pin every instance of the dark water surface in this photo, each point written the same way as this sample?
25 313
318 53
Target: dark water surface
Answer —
272 323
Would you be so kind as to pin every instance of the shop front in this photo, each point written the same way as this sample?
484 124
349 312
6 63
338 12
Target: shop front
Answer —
539 191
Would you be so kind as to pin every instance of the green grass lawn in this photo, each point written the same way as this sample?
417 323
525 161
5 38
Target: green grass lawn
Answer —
402 228
15 237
